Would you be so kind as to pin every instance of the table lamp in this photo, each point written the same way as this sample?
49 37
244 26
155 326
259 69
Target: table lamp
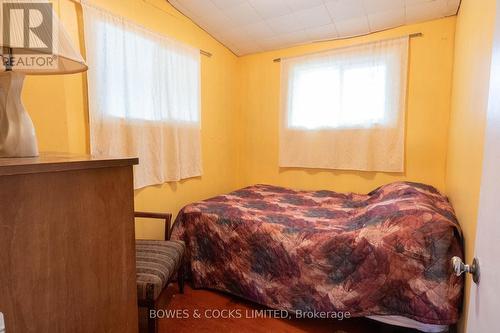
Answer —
33 42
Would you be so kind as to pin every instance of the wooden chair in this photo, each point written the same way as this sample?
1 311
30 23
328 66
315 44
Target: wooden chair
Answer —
157 262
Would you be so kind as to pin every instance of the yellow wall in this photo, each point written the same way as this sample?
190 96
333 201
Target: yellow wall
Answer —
431 64
473 47
58 108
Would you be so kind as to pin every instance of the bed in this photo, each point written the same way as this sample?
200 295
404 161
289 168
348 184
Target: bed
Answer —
384 255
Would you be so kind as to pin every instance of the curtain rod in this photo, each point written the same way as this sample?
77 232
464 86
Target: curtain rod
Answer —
205 53
202 52
413 35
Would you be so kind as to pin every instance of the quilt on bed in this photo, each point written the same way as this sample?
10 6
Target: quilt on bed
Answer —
384 253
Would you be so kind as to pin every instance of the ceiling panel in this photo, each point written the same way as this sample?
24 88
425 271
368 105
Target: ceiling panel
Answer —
341 10
387 19
313 17
270 8
353 26
284 24
251 26
241 15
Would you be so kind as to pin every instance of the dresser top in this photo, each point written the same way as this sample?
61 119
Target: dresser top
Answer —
56 162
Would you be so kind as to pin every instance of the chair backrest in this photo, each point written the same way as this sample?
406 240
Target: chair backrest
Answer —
161 216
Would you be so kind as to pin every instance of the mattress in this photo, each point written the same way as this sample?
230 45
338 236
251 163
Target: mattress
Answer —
385 253
410 323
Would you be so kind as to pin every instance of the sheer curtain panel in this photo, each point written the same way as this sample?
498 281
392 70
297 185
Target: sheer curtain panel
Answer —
144 98
345 108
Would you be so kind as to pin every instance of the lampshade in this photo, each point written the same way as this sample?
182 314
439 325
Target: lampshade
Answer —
35 41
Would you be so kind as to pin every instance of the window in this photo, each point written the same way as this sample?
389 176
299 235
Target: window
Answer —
161 80
328 96
144 98
347 97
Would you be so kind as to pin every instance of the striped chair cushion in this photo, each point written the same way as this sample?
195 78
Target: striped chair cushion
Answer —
156 262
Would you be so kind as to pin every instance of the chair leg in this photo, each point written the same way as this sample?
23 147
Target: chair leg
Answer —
152 324
151 307
180 277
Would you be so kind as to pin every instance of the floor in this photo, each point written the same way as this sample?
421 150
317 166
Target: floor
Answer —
202 300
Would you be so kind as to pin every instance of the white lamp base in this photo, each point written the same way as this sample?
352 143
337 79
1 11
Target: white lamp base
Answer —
17 134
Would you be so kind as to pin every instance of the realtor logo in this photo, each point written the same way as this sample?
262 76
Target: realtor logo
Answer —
28 26
28 31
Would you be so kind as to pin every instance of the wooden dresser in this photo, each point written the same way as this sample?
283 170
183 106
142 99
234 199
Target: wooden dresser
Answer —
67 258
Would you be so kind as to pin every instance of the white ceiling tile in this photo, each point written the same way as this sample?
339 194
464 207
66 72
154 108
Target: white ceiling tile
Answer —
273 44
374 6
268 9
386 19
270 48
313 17
242 14
345 9
249 26
353 27
416 2
214 22
303 4
260 30
295 37
227 3
324 32
268 43
231 37
425 11
284 24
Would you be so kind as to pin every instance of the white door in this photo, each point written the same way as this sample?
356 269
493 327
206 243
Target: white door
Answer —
484 306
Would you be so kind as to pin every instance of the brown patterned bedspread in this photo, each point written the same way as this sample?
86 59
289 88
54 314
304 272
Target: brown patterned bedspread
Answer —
384 253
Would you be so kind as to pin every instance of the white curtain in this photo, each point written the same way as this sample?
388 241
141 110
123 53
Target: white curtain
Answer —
144 98
345 108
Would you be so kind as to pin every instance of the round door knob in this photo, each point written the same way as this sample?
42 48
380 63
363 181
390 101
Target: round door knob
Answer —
459 267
